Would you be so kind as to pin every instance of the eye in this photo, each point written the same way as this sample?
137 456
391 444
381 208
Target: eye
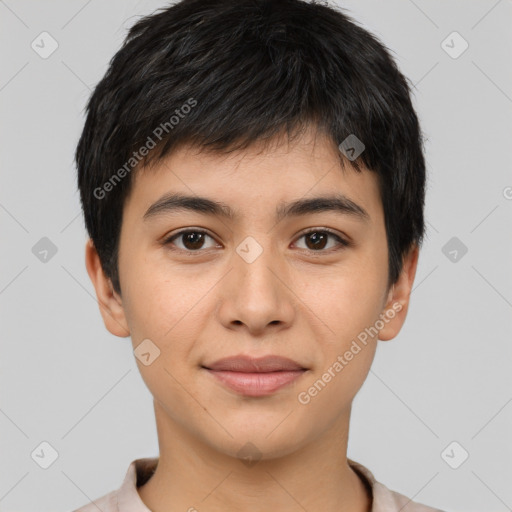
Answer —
317 239
192 240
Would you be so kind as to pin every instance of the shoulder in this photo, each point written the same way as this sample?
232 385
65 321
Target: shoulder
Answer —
384 499
106 503
126 497
405 504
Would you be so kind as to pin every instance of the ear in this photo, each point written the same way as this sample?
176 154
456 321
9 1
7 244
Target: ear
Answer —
397 304
111 307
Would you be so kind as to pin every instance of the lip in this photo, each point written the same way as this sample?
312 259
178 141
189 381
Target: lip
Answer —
251 376
248 364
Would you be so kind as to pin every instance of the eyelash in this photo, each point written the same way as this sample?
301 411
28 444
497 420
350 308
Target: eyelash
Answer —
342 242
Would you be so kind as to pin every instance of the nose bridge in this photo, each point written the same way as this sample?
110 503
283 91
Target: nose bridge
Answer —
257 295
253 262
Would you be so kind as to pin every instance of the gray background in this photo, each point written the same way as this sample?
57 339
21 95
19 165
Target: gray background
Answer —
65 380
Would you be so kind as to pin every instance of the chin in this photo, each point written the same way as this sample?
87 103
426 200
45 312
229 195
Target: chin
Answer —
258 443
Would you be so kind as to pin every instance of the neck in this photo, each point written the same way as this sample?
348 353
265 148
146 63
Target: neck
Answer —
192 475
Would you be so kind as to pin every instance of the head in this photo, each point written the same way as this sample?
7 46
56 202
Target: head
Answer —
246 104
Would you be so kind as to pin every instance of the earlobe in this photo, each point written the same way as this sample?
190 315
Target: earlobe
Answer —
395 311
109 302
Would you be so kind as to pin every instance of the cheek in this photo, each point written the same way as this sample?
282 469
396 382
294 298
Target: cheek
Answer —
158 296
347 301
169 307
348 308
349 349
166 310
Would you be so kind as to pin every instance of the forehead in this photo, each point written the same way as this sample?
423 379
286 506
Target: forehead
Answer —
253 178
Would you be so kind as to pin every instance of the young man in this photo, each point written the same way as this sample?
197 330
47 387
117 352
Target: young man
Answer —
252 180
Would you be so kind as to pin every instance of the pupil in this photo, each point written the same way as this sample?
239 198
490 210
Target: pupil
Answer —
317 238
195 238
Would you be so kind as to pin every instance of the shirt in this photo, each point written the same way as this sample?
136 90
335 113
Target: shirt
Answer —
127 499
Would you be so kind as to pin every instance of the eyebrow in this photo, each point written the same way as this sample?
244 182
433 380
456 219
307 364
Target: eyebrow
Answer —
176 202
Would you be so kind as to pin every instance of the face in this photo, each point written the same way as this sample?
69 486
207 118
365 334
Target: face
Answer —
307 283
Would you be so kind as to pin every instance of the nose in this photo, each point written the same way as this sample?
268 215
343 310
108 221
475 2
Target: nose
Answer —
256 295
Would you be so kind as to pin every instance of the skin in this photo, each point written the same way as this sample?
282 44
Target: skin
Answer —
294 300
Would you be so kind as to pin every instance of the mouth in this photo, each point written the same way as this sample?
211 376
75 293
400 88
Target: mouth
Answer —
255 377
